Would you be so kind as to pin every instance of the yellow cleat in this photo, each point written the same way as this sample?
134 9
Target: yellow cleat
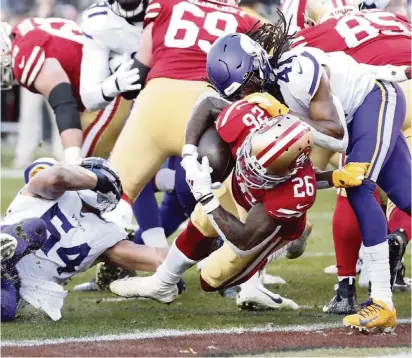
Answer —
373 315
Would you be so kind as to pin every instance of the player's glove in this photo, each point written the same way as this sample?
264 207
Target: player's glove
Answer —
352 174
125 79
268 103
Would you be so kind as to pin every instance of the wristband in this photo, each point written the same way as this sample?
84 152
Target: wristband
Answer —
72 155
211 205
103 184
189 149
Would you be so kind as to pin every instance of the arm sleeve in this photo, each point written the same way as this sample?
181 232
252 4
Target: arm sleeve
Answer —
95 69
153 11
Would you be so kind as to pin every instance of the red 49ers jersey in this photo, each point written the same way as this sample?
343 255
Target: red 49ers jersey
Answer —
37 39
374 37
184 31
287 202
236 121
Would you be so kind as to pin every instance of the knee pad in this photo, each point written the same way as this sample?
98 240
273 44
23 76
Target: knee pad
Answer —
222 267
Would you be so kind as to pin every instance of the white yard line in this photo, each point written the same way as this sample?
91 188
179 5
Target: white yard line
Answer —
161 333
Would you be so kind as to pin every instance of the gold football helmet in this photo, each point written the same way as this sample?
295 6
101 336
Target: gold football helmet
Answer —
317 11
274 153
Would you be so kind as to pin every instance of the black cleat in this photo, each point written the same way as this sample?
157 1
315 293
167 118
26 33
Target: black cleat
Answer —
345 300
181 286
397 245
402 283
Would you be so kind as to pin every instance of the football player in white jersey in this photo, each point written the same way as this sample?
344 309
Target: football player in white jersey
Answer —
112 31
69 199
359 111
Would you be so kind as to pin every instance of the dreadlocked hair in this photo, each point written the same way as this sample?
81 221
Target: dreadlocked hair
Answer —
275 40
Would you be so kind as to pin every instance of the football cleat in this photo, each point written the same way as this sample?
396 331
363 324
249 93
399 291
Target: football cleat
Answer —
374 314
107 273
273 280
397 245
148 287
344 302
297 247
402 283
258 298
8 246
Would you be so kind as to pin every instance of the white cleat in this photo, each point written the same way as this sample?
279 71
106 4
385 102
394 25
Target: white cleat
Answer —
332 269
149 287
257 297
8 246
273 280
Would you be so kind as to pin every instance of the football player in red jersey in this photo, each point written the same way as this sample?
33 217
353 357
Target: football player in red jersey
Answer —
45 57
373 37
258 211
176 38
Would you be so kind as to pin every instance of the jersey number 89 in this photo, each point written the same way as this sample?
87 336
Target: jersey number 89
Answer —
191 30
362 27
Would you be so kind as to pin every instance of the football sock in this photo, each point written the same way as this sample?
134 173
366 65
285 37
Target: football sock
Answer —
174 266
346 237
379 273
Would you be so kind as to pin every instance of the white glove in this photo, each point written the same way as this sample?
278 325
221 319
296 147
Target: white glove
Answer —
123 80
201 181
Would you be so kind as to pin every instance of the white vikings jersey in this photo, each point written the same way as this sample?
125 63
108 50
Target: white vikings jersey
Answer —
75 240
106 34
301 71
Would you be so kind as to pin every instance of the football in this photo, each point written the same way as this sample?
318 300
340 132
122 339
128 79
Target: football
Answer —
218 152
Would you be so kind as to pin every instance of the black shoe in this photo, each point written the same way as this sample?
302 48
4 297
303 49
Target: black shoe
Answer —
402 283
345 300
107 273
397 245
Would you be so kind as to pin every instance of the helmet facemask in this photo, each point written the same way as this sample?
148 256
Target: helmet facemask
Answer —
261 75
132 10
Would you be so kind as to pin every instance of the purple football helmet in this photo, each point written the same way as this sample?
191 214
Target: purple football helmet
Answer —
237 66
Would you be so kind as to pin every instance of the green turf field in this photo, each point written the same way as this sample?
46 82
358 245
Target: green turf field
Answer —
86 314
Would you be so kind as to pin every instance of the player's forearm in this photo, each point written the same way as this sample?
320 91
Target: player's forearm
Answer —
204 114
53 182
130 256
244 239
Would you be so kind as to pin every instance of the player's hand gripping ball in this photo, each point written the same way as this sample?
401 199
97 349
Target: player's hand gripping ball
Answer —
352 174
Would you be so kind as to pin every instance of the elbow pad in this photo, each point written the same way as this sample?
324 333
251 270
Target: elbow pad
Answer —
143 72
328 142
65 107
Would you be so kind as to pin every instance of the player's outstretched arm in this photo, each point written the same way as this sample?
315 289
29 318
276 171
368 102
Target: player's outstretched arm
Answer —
53 182
130 256
53 83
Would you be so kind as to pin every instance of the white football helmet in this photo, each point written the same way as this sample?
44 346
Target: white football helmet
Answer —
5 59
318 11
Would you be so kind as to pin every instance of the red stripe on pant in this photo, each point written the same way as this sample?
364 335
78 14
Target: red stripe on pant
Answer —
104 126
